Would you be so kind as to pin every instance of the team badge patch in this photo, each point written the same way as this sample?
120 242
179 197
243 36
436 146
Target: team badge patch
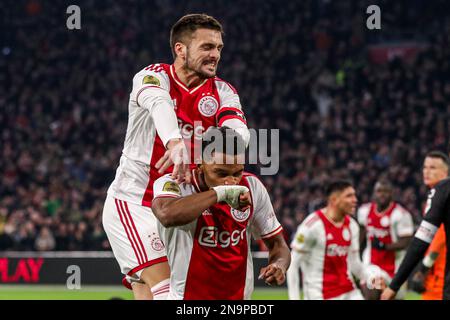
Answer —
156 243
346 234
240 216
151 80
208 106
171 186
300 238
384 221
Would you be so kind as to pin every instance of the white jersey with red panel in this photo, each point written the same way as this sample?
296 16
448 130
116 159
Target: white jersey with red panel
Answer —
210 257
328 256
212 103
388 226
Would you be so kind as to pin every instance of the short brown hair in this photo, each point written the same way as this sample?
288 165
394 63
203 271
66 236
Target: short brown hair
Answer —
188 24
439 155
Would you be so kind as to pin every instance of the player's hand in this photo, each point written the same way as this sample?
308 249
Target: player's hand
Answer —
177 155
230 194
245 201
377 244
388 294
418 282
272 274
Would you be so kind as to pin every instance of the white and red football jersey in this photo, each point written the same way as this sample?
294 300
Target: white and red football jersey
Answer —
387 226
210 257
212 103
328 255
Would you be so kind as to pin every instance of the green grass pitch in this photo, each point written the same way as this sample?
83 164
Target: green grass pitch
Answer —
48 292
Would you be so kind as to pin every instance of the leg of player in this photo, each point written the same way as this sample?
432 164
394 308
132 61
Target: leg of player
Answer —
141 291
370 294
157 278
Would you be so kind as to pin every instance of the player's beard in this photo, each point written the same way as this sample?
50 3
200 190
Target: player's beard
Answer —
189 65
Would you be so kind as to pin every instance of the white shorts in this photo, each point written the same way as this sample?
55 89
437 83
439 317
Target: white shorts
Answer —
351 295
133 236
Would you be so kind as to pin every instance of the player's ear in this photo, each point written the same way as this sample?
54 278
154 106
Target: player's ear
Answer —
180 50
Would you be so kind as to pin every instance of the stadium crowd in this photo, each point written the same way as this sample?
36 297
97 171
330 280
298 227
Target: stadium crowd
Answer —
302 67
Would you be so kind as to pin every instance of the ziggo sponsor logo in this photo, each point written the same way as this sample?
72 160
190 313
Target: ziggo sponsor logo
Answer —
211 237
334 250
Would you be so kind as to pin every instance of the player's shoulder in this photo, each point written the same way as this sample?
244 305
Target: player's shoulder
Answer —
153 74
400 211
312 221
443 185
224 86
365 207
252 179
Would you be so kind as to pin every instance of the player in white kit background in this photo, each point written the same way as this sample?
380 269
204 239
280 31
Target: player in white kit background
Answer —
186 95
207 226
326 249
388 228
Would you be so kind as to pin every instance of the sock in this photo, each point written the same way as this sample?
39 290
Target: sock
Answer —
160 291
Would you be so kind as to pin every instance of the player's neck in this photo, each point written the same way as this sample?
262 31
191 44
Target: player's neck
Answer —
334 215
383 207
188 77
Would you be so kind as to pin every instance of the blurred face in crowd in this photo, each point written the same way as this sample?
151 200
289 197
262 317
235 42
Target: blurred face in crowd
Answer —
344 201
202 52
382 195
222 170
434 170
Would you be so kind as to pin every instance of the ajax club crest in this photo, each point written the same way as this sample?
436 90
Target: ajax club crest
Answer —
240 216
208 106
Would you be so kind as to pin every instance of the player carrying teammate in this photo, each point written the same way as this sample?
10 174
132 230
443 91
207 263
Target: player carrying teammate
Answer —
207 226
190 88
388 228
326 248
429 279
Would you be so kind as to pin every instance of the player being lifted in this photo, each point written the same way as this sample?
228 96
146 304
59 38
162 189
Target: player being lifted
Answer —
207 225
326 248
437 212
389 229
186 94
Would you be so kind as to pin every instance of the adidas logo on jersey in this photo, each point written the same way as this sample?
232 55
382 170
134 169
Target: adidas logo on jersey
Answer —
329 236
206 213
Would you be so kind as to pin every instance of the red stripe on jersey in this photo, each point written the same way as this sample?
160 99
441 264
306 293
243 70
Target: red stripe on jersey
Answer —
272 234
166 196
147 264
126 284
163 289
126 231
135 230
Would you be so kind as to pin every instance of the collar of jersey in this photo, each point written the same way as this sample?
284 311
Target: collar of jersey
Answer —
178 81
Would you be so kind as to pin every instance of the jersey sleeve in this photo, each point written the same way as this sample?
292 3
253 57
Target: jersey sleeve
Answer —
265 224
166 187
362 214
306 235
151 91
230 112
403 223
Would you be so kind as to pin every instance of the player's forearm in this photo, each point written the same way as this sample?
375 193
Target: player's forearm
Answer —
401 244
413 256
279 253
181 211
